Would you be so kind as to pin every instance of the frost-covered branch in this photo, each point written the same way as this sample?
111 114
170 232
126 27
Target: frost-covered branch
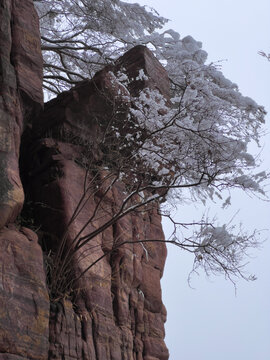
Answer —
194 142
89 34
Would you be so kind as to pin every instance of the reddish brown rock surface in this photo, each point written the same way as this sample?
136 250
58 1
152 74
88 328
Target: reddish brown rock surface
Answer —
24 302
20 95
116 312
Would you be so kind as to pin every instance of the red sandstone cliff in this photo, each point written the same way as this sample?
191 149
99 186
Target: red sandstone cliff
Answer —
117 311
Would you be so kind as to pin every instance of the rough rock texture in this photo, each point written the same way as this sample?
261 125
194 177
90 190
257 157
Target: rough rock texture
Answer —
20 95
115 311
24 305
24 301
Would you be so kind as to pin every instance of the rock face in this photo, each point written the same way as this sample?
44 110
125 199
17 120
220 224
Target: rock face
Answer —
113 311
21 95
24 302
118 312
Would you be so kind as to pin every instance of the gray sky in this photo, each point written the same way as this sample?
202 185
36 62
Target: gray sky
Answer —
210 322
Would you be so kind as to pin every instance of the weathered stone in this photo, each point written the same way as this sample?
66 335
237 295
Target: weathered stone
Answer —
117 312
20 95
26 51
141 58
24 302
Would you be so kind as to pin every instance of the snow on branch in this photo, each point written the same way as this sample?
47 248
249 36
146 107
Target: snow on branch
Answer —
158 147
